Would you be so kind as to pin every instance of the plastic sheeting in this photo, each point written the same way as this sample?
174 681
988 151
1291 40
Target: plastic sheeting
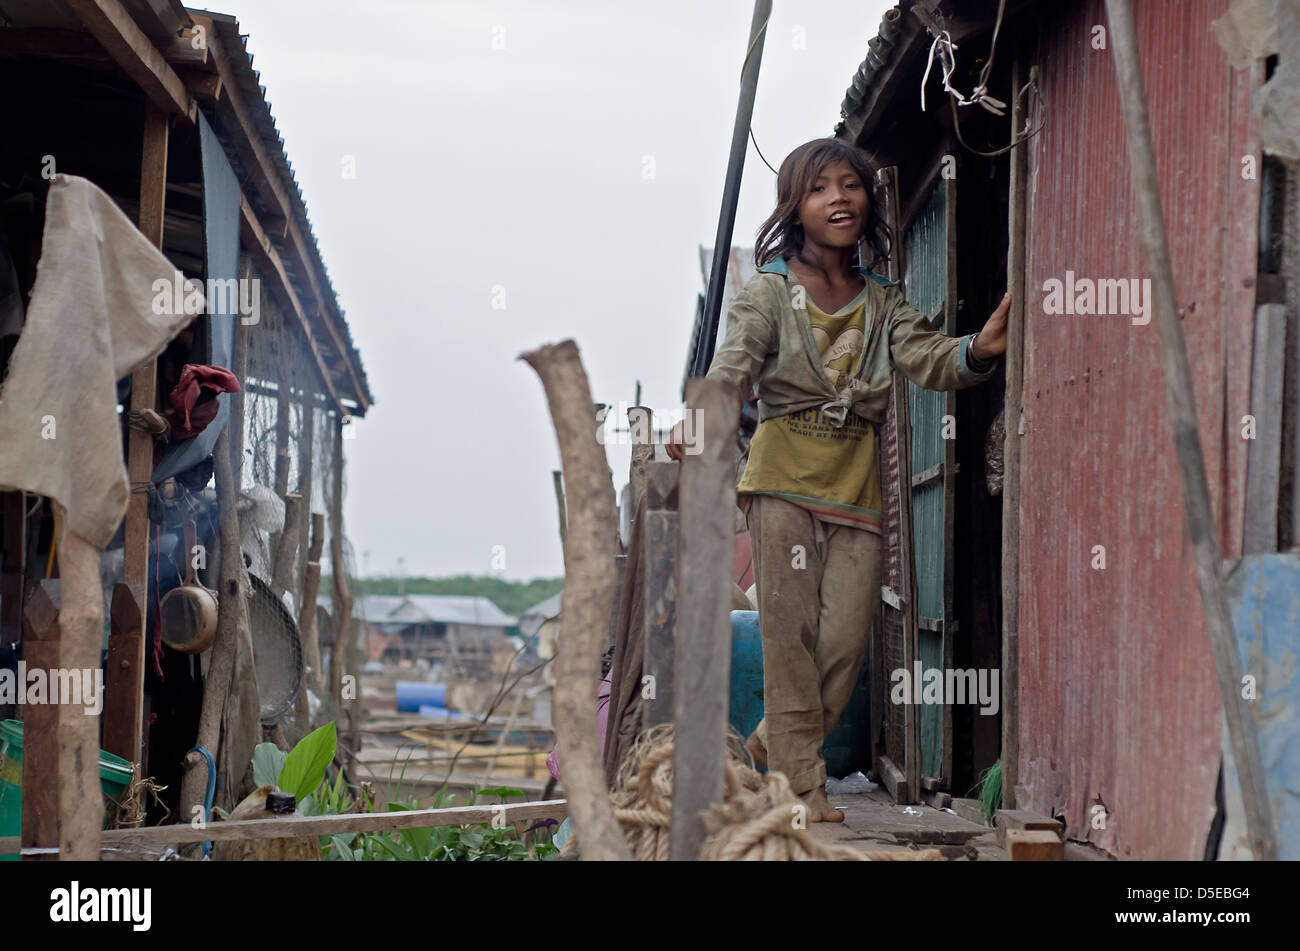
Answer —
1255 29
1263 594
221 241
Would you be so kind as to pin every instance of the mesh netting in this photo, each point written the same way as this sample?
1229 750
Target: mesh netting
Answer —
286 405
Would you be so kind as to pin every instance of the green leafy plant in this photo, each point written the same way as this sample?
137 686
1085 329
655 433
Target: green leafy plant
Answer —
303 772
470 843
268 760
304 767
991 790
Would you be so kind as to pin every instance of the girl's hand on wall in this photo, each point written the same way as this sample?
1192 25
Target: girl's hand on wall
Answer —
992 339
675 446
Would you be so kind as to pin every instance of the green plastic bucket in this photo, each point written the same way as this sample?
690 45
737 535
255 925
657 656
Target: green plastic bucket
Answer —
114 777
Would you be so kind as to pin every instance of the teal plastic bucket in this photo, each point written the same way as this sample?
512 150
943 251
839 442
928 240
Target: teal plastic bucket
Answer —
114 777
847 748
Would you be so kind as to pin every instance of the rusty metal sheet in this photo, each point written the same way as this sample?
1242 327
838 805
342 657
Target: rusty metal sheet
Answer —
1119 706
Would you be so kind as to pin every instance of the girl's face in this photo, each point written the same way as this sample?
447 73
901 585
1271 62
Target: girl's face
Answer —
834 212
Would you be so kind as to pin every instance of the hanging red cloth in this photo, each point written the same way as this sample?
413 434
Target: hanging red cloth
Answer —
193 398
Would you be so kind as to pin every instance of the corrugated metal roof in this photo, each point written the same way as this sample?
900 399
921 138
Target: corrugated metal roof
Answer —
451 609
533 618
234 45
398 609
375 607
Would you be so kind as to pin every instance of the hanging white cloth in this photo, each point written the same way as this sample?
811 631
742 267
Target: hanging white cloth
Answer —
92 320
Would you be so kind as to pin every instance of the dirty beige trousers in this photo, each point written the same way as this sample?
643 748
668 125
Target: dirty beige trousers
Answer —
818 587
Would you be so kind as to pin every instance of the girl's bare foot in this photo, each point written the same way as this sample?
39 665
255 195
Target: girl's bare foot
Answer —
819 807
757 751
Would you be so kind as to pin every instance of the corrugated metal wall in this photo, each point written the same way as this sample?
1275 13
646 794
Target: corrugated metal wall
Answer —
1118 702
925 284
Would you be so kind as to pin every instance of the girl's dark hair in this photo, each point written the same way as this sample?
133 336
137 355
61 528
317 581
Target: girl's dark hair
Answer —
780 237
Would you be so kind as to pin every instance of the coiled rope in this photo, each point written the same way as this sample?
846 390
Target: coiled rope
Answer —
760 819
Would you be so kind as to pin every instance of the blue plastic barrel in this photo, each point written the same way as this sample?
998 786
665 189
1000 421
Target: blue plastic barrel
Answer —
412 694
847 748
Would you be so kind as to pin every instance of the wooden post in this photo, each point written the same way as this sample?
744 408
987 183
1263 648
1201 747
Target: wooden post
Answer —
659 536
558 478
240 368
283 404
640 420
343 656
1181 400
1264 462
307 618
306 468
286 556
588 592
124 702
41 723
1012 414
126 647
702 660
231 623
910 788
81 626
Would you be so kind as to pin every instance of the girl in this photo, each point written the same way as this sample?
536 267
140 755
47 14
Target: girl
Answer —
821 337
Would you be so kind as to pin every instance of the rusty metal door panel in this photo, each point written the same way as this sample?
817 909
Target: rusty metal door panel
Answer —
1119 707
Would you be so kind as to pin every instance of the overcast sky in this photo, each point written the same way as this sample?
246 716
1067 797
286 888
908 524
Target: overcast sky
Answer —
502 155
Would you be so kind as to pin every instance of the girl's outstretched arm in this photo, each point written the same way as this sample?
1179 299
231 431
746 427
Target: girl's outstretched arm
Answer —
991 341
933 360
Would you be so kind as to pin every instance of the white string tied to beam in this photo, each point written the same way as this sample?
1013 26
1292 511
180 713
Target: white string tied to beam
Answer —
946 48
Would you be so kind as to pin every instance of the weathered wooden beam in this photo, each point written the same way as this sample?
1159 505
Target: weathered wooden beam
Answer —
187 49
557 477
41 639
81 627
588 592
702 659
1264 462
124 703
894 781
911 766
659 535
112 25
201 84
283 577
306 469
307 619
124 676
343 657
341 824
231 620
1012 411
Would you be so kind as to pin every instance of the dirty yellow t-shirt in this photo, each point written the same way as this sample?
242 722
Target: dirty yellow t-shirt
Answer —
803 458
